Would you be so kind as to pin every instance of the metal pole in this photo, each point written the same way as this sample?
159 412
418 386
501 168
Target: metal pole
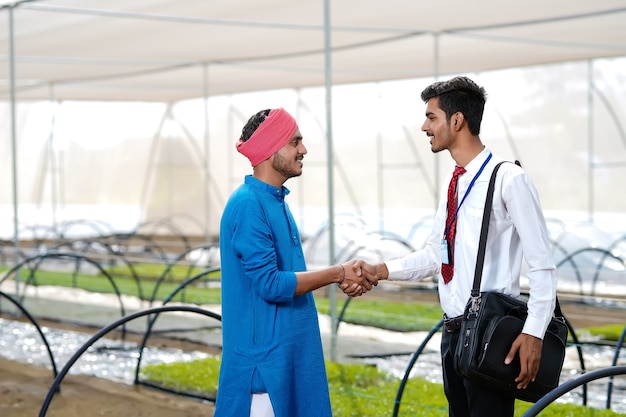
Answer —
16 236
207 209
379 180
331 201
436 75
380 163
53 163
590 139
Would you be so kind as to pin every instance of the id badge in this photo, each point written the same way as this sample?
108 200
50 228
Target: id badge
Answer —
445 252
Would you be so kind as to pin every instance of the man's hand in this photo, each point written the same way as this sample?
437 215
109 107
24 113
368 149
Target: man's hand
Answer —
368 270
358 279
529 349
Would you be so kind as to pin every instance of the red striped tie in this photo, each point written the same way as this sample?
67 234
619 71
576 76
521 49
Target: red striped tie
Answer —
447 270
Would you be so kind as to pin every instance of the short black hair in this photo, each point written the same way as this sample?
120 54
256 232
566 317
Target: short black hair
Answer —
253 124
459 94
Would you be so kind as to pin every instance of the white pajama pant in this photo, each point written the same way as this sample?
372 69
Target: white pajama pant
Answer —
261 406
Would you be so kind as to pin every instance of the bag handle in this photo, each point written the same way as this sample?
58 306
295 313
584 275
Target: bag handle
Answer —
482 243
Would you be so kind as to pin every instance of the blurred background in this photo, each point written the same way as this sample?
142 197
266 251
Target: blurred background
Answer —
118 124
120 118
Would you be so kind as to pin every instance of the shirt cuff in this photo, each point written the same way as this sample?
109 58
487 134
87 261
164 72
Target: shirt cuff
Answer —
534 327
395 268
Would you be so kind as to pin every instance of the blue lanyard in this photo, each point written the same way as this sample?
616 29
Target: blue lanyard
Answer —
467 192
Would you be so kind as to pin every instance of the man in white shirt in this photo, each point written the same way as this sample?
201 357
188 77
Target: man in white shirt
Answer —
453 116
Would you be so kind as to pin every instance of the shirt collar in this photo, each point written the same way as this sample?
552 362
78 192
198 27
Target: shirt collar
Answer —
475 164
279 193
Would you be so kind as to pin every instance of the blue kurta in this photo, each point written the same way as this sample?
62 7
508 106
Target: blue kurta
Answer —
271 338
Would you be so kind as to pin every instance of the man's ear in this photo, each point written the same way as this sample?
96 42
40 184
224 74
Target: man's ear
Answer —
457 120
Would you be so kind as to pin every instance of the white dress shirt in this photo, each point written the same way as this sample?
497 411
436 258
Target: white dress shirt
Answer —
517 227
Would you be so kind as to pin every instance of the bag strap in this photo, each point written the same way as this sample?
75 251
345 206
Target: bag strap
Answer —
482 243
484 229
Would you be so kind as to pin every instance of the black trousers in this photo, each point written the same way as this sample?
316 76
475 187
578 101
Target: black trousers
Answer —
466 399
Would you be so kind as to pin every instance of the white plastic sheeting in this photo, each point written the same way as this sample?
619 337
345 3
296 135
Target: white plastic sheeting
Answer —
168 50
174 157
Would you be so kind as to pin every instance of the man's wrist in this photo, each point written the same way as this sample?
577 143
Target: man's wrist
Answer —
381 271
343 274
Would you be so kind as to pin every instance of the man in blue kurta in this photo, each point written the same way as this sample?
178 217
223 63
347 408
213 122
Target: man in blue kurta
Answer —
272 359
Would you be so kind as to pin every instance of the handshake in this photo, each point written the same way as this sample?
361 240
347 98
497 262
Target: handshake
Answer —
360 277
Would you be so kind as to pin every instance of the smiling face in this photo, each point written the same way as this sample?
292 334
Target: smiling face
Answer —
437 127
288 160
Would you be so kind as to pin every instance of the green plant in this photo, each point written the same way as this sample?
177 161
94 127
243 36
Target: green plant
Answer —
128 286
609 332
356 390
155 271
391 315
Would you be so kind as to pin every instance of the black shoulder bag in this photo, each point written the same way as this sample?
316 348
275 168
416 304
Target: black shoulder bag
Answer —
491 322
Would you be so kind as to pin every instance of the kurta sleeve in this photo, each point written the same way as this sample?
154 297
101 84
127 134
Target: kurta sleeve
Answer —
253 244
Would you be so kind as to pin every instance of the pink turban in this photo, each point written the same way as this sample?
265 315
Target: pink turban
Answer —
271 135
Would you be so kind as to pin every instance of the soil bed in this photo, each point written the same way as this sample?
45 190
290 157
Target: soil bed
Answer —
24 387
